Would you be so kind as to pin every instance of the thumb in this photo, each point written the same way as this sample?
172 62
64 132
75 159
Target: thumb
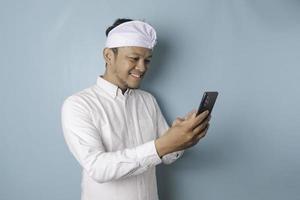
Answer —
190 114
178 120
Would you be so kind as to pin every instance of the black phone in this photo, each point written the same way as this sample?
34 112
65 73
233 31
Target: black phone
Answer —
207 102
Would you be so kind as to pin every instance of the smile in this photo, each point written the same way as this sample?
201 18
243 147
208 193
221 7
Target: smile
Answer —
137 76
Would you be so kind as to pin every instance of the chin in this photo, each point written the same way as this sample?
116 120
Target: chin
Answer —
133 86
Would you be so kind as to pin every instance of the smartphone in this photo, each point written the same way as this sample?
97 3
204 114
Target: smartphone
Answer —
207 102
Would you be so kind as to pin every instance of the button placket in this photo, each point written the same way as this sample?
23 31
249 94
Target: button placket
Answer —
129 122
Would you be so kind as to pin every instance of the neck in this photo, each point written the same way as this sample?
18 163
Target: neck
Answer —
113 81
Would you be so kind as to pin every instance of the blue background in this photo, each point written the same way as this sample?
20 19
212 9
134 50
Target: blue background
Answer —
248 50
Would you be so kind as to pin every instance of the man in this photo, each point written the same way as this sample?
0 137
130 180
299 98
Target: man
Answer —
116 131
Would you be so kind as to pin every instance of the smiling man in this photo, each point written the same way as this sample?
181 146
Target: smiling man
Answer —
129 68
116 131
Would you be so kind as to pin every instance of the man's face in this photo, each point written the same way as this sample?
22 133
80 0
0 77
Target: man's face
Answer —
127 67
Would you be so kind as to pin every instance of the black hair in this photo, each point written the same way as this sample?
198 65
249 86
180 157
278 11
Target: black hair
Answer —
115 24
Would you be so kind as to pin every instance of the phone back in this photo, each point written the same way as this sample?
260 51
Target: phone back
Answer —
207 102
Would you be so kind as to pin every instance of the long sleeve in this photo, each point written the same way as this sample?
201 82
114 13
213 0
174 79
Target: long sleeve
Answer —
162 127
84 142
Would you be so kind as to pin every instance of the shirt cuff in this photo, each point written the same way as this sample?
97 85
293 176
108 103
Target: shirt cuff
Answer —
147 154
172 157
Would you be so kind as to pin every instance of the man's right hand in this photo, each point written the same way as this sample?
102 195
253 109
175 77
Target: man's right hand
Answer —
183 134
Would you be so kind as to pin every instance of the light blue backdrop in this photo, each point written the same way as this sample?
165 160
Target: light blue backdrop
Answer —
248 50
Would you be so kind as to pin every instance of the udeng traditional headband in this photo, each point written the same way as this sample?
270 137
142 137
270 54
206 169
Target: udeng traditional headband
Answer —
132 33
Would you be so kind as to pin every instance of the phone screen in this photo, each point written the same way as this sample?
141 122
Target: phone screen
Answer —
207 102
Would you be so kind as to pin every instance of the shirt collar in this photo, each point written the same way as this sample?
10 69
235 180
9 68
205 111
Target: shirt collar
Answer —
110 88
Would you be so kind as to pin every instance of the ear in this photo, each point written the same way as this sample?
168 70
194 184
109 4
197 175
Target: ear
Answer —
108 56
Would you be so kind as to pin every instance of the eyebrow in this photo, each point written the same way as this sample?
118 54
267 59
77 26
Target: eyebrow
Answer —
150 56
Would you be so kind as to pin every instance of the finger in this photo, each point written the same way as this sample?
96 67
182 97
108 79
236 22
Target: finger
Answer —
206 120
203 133
208 117
190 114
179 119
200 136
200 128
203 115
199 119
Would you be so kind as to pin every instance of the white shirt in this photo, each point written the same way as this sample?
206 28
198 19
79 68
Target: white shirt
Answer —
112 136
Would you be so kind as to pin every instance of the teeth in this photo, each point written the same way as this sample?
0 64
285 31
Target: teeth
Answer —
135 75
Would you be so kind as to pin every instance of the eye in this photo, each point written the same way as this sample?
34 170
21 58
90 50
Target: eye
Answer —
134 58
147 61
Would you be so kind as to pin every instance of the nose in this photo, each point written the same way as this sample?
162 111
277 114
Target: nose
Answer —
141 65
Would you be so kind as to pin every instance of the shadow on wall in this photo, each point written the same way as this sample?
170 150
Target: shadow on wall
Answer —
218 152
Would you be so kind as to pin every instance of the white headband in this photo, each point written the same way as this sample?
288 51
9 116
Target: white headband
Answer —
132 33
